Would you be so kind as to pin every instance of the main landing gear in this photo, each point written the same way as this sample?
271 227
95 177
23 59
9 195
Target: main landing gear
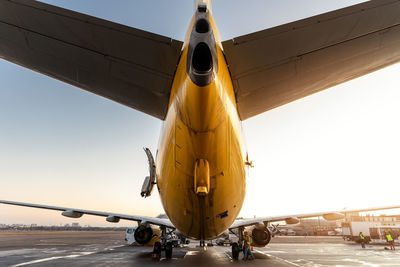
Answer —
237 246
157 248
168 250
202 243
163 245
235 251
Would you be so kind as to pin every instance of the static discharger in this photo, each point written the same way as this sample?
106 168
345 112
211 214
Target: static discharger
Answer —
202 177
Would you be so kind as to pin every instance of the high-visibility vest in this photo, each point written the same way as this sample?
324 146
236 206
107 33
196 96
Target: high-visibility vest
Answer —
247 241
362 237
389 237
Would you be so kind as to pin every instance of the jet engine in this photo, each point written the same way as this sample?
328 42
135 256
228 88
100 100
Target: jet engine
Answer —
261 235
143 234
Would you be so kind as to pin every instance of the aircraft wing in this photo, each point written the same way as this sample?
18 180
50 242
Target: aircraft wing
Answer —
126 65
276 66
294 218
110 217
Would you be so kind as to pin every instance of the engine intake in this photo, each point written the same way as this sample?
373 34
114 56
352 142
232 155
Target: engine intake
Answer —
143 234
261 236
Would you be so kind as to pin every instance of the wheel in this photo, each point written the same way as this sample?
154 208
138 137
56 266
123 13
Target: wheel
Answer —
168 250
157 250
235 251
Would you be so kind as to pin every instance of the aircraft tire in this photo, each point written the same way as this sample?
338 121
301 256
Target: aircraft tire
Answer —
235 251
157 250
168 250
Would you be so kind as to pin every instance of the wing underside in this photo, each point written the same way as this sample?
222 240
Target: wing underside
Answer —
110 216
126 65
276 66
294 218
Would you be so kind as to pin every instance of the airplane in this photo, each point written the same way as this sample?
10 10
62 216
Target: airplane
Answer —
202 89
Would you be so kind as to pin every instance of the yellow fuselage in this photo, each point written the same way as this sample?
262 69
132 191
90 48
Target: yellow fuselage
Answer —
202 123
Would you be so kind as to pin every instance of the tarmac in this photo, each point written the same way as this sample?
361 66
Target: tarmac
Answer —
109 248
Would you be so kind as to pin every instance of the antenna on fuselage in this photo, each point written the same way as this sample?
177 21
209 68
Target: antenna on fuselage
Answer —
248 164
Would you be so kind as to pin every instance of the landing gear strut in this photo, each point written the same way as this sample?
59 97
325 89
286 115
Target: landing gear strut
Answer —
168 250
235 251
163 245
237 247
157 251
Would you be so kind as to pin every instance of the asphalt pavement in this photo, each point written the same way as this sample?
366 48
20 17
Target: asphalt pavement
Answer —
108 248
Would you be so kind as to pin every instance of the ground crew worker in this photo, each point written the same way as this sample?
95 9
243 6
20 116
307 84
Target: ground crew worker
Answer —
362 240
246 246
390 240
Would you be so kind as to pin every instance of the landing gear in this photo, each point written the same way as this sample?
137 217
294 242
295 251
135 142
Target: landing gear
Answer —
237 246
157 251
163 245
235 251
168 250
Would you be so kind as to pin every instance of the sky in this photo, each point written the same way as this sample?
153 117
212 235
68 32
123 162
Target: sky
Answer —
63 146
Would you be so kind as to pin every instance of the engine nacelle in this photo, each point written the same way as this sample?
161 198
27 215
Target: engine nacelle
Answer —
261 235
143 234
